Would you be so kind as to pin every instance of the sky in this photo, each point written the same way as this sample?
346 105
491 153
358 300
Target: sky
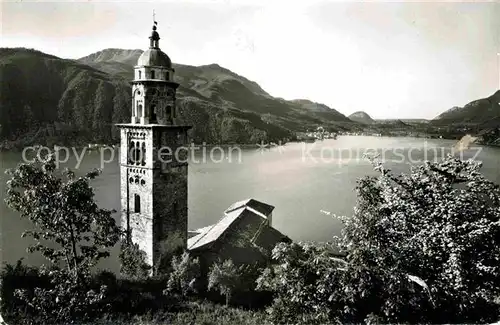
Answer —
389 59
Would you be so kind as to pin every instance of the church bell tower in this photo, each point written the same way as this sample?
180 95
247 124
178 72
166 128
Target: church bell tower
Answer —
153 165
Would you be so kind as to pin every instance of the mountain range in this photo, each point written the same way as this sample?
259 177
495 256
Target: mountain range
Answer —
479 115
483 112
44 98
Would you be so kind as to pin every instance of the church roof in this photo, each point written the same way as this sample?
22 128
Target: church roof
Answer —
212 233
154 57
261 207
248 208
192 233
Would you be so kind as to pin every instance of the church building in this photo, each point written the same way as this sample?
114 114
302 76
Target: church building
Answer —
154 180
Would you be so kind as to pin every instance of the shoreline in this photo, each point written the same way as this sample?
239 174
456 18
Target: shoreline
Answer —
97 147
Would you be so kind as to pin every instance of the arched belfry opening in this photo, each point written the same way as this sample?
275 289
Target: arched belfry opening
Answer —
153 119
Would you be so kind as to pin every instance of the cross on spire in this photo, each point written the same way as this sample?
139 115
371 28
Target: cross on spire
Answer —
154 17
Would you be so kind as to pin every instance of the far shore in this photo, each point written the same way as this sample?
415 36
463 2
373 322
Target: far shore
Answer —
93 147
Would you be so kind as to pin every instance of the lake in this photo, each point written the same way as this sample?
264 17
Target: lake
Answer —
299 179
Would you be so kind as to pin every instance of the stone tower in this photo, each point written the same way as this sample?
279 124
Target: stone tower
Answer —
153 165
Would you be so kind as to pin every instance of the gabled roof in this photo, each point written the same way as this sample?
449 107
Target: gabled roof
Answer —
270 237
199 230
212 233
261 207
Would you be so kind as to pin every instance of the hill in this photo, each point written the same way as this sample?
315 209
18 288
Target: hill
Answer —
46 99
361 117
404 120
480 117
321 110
477 112
224 88
393 123
128 57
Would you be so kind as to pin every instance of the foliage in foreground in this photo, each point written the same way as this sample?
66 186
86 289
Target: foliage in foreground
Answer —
44 303
185 275
70 231
224 278
203 313
63 212
133 260
421 247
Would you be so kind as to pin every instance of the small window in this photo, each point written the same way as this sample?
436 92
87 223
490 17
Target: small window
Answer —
137 153
167 76
143 154
153 114
140 74
137 203
131 152
152 74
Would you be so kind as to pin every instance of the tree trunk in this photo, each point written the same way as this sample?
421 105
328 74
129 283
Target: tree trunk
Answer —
75 253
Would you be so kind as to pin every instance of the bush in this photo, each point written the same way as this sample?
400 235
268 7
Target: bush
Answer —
41 296
65 300
185 275
133 261
13 277
305 282
44 295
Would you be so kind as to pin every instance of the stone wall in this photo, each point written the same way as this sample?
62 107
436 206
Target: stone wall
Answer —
154 194
170 213
170 191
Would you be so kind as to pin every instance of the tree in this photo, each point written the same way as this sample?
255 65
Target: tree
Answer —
420 248
305 283
133 261
437 227
184 275
64 215
224 278
169 247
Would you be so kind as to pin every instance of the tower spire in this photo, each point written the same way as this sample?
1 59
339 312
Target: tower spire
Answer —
155 37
